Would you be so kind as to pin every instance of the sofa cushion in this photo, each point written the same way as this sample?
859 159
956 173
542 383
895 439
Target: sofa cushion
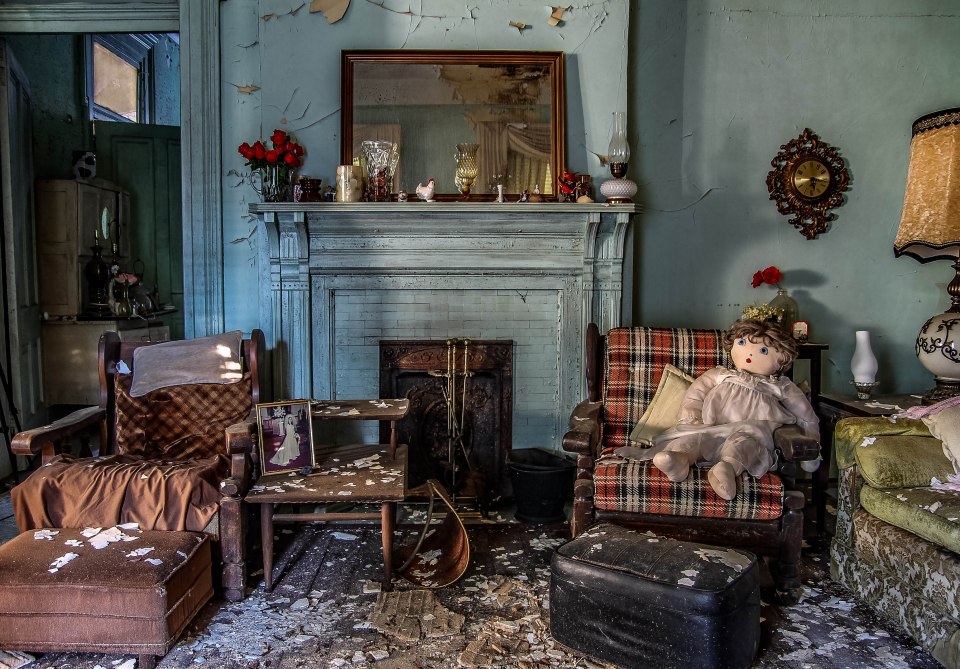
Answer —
664 407
901 462
639 487
634 361
945 426
930 513
852 433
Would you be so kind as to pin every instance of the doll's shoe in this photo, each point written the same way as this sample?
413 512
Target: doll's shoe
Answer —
723 479
675 465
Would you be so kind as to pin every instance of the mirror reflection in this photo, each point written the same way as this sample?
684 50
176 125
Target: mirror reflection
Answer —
428 103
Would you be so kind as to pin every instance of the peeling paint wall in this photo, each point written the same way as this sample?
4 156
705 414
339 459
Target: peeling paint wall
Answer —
280 68
715 90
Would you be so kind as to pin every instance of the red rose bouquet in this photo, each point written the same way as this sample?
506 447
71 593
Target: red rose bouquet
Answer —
275 165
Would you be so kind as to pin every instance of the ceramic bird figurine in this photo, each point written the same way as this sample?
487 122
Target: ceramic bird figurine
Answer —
426 192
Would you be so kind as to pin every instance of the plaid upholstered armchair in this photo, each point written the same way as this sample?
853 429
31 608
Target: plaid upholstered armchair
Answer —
623 371
177 435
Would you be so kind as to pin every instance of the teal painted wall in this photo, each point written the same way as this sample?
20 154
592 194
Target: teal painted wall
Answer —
715 90
712 91
292 56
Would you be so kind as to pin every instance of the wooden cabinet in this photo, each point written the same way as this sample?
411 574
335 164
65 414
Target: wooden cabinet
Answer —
70 349
70 214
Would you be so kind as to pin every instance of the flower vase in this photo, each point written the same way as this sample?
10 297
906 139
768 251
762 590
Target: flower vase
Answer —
863 365
123 308
787 307
275 184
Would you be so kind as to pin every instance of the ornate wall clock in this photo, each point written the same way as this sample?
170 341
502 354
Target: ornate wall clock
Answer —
807 181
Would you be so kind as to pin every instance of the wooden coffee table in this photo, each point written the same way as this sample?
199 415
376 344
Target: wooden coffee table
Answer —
363 474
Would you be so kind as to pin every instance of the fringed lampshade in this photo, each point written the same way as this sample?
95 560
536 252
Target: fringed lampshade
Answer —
930 230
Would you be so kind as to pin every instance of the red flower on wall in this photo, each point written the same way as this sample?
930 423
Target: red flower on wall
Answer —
770 275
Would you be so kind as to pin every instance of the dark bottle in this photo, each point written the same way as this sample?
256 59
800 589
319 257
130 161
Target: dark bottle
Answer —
97 276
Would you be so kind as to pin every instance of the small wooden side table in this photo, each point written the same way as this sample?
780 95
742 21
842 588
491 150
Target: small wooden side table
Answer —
831 408
362 473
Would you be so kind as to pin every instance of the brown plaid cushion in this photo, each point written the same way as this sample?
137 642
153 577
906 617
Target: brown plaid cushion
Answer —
635 358
179 422
629 485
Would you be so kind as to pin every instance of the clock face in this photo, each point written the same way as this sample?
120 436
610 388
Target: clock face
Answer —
811 178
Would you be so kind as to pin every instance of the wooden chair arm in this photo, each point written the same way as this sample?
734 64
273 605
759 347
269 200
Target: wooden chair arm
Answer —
584 434
240 437
241 444
795 445
48 438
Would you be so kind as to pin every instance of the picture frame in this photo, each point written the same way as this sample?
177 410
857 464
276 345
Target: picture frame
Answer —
801 330
286 436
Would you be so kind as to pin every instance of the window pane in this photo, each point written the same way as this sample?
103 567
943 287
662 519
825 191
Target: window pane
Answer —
114 83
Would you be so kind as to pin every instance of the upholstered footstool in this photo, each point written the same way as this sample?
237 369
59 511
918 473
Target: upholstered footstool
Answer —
644 601
116 590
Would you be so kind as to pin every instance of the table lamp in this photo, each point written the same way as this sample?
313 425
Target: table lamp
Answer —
930 230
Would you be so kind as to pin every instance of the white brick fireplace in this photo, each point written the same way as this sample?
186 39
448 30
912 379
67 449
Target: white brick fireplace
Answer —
336 278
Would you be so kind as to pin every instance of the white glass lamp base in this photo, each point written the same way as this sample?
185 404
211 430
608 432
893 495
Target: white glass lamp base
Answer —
618 190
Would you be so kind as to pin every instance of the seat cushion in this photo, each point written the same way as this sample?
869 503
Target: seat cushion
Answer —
898 461
639 487
99 492
179 422
928 512
633 364
120 598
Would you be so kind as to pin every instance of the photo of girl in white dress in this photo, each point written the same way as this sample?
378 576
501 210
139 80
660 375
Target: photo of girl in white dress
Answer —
286 438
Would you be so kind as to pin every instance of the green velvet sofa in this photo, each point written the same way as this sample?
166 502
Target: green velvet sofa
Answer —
897 541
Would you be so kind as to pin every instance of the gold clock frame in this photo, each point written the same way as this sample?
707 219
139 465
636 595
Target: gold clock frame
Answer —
810 214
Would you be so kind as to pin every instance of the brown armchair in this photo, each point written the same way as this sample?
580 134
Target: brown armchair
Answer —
199 436
623 369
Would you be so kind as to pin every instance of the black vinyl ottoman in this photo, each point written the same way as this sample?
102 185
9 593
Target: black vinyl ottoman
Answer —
644 601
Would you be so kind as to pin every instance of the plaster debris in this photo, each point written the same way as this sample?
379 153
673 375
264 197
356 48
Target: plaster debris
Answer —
519 26
867 441
11 659
62 561
140 552
343 536
47 535
402 614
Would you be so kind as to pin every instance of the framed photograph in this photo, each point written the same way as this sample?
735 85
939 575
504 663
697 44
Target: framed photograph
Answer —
801 330
286 436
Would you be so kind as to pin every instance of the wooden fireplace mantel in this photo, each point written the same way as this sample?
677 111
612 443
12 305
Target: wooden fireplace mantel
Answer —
318 260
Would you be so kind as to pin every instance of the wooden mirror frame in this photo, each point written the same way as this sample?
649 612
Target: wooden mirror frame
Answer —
553 60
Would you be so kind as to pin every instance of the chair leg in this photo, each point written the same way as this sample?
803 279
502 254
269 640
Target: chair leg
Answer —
232 547
146 661
786 568
582 496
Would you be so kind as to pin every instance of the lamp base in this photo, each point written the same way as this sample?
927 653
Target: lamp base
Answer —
618 191
944 390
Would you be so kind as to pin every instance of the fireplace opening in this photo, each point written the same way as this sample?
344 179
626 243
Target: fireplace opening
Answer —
460 424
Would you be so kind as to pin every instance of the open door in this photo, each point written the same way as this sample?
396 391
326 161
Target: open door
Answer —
144 160
20 359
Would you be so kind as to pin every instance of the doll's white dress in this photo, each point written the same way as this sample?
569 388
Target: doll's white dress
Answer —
732 413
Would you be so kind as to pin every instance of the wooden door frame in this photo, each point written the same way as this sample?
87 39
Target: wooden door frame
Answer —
198 22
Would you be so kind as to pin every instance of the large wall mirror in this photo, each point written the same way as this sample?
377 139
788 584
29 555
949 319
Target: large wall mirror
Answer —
508 103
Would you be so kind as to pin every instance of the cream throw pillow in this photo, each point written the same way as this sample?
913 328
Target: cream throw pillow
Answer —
664 407
945 426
